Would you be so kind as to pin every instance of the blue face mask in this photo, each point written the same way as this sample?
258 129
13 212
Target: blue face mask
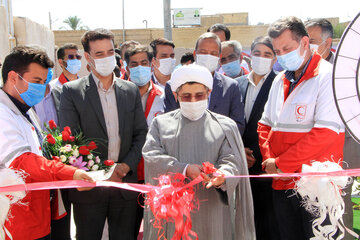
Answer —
73 66
292 60
34 94
49 76
140 75
125 64
232 69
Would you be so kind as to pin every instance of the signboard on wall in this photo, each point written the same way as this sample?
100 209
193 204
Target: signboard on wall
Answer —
186 16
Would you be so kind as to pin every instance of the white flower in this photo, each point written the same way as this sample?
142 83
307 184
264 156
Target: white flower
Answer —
63 158
62 149
72 160
90 156
97 159
95 167
75 153
90 163
68 148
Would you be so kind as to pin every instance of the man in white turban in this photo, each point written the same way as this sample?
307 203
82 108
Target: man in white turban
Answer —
181 140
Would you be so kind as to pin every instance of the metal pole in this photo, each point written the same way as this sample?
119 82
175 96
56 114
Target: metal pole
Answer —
123 19
146 22
167 19
50 21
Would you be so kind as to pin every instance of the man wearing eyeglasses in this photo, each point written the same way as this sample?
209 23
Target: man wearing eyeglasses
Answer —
69 59
181 140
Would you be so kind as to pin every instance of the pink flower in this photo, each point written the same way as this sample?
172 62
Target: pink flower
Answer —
80 164
97 159
68 147
90 163
72 160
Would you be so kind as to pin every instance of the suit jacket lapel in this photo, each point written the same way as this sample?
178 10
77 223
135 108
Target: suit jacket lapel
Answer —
121 101
92 94
243 88
263 94
216 91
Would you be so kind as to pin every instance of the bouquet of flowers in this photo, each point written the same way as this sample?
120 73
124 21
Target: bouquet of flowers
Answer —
72 150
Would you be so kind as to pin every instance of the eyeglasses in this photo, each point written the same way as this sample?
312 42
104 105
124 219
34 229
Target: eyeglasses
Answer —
72 56
189 97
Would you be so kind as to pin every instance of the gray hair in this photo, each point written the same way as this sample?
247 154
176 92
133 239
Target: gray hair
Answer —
294 24
234 44
327 30
208 35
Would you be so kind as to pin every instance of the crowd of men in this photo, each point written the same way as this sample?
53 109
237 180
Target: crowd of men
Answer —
157 118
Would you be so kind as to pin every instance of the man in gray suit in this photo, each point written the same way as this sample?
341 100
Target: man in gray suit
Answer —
109 110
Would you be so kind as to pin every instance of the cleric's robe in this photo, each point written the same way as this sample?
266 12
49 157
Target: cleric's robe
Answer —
173 142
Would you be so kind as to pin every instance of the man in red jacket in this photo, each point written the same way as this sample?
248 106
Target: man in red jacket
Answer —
300 123
24 74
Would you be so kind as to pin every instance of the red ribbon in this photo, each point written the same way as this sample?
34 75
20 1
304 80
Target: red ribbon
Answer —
146 188
171 200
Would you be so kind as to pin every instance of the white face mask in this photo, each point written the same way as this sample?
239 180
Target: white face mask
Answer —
105 66
167 65
314 46
193 110
209 61
260 65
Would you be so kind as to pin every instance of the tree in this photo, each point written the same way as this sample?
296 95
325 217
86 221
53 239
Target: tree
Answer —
75 23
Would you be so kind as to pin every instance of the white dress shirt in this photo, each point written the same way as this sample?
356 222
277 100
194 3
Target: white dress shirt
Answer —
109 106
252 93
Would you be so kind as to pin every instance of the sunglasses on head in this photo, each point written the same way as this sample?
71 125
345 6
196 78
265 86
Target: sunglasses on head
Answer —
72 56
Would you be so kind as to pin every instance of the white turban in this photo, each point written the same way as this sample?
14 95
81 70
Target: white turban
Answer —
191 73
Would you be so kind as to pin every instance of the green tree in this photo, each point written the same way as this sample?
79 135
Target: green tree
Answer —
75 23
339 29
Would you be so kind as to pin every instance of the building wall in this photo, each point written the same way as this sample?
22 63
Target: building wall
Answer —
4 33
28 32
236 18
182 37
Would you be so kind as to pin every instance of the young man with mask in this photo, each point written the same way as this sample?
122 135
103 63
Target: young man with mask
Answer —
300 123
152 99
109 110
225 98
69 60
231 59
255 88
321 34
181 140
163 61
25 74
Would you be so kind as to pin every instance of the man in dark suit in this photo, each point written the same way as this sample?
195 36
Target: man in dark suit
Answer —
225 97
255 88
109 110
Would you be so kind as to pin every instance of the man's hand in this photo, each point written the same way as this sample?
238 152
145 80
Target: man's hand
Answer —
217 180
82 175
270 166
120 172
193 171
250 157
